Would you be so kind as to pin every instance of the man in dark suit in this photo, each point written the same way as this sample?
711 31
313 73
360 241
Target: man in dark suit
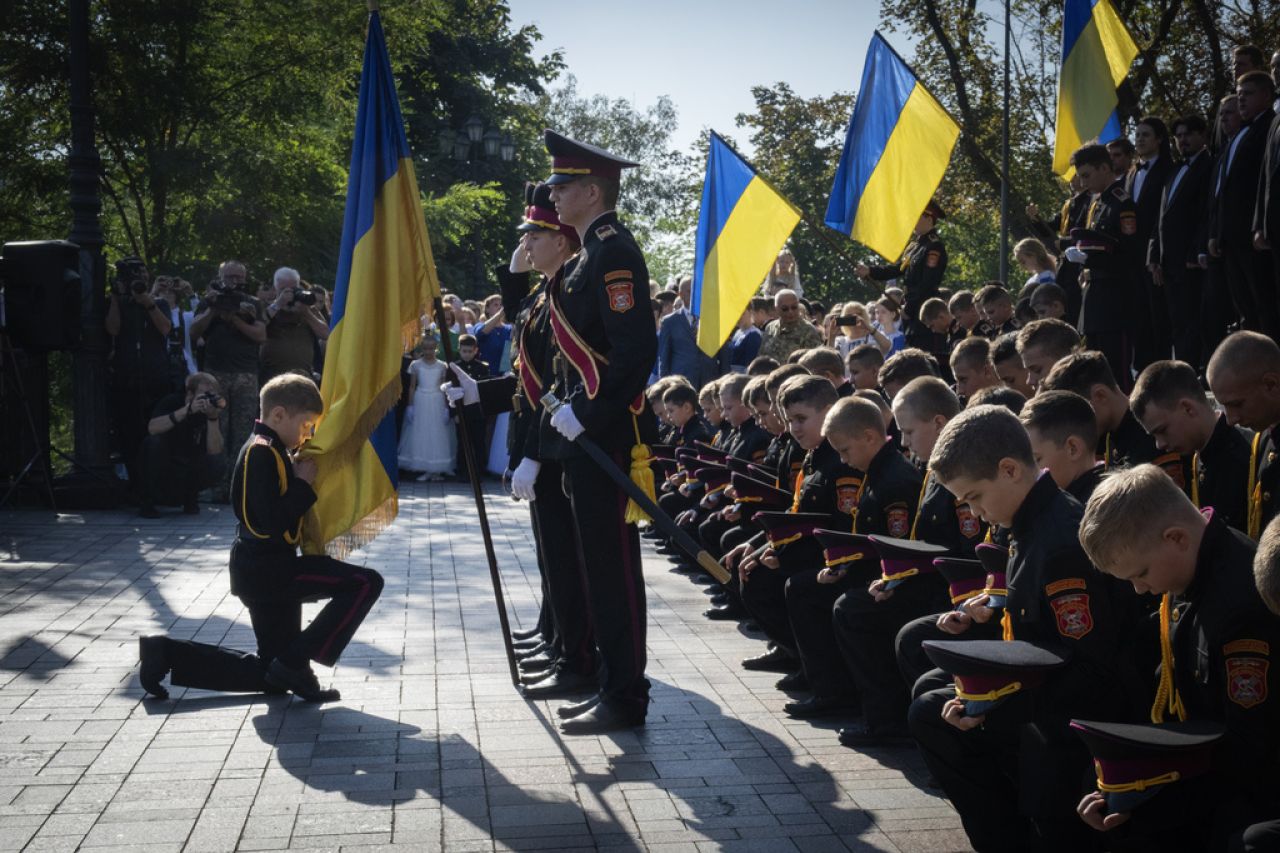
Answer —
1172 255
1145 183
678 353
1217 308
1248 271
1266 214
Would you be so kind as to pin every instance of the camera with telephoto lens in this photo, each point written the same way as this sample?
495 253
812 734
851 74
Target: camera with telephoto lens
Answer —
227 299
131 277
215 400
303 297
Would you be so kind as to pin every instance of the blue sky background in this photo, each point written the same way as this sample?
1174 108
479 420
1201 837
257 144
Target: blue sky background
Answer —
707 54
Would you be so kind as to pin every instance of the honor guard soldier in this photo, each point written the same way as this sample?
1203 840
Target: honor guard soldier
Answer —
603 352
922 266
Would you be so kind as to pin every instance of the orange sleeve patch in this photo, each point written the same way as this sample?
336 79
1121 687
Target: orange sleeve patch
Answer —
1257 647
1247 681
1128 223
620 296
933 258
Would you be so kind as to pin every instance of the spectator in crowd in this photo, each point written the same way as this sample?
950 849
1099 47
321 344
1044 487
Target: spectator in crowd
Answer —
744 344
853 326
493 336
678 352
785 275
1145 184
1121 152
1217 307
183 452
791 331
233 325
176 293
1035 259
887 328
294 327
139 372
763 311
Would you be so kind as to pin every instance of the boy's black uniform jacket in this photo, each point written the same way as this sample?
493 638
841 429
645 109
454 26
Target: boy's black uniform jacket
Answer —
269 502
889 497
1058 599
1267 484
1222 474
830 488
943 520
748 441
694 430
1129 445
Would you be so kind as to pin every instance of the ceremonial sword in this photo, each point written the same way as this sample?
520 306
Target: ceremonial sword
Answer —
660 518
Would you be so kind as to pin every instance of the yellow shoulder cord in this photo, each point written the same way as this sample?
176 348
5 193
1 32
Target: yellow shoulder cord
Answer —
641 475
1106 454
1167 698
1195 479
920 502
1254 490
857 501
1006 625
990 538
795 493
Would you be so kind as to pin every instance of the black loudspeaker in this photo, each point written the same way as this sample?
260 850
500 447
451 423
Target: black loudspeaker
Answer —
42 294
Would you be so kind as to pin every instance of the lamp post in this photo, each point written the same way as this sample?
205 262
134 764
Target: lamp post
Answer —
474 145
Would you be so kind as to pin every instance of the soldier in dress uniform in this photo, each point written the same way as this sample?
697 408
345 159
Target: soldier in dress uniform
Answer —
922 266
604 350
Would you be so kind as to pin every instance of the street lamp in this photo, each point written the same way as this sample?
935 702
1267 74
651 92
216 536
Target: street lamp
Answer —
474 128
508 148
474 145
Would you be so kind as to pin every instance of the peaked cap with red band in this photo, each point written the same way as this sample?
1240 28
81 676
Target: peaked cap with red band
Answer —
540 213
571 160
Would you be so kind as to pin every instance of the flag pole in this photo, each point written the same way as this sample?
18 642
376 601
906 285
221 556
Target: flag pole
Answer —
469 456
1004 159
821 229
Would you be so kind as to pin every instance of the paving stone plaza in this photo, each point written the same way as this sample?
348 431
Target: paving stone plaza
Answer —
431 748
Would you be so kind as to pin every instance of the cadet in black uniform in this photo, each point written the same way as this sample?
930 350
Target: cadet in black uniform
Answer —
1107 248
1064 433
922 266
867 620
885 503
1123 442
604 350
1216 641
1055 599
269 496
1169 401
1244 374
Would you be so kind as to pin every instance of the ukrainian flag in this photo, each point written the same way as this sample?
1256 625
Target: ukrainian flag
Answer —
896 151
386 276
742 225
1097 51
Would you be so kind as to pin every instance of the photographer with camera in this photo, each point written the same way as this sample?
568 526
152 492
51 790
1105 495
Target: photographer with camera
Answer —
176 293
183 452
139 324
233 325
294 327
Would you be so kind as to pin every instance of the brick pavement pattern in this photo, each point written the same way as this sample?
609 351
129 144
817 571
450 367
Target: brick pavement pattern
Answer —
431 748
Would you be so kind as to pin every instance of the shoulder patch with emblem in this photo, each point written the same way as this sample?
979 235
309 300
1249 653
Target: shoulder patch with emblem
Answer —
1171 464
262 440
1119 193
933 258
1128 223
898 520
604 232
1074 618
847 494
970 526
1247 681
621 298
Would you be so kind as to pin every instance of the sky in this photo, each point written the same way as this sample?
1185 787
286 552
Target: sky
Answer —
706 54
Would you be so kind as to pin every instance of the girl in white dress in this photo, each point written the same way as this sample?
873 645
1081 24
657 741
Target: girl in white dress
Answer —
427 440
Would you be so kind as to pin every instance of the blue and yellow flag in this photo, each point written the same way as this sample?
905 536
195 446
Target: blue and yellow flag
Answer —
386 276
1097 51
896 151
742 225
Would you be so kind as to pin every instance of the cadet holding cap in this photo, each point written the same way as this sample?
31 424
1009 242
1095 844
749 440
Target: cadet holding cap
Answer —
604 349
1014 780
1216 637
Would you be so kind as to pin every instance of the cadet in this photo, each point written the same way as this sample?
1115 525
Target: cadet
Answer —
972 368
1055 599
1216 639
680 404
1124 443
885 503
1063 433
1042 344
997 308
863 364
1170 403
826 362
270 495
1244 374
1008 364
923 264
605 348
1107 249
867 620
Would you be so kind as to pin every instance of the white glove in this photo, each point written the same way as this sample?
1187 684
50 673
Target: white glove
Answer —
470 390
565 422
1076 255
452 394
520 259
522 480
408 414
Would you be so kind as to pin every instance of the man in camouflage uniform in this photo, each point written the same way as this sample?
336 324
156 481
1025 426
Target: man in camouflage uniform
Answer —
791 331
